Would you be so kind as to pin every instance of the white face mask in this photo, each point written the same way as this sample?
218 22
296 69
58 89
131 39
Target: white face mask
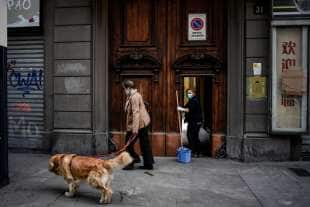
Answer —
190 95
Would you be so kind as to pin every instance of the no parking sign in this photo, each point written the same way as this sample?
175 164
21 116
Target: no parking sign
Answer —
197 27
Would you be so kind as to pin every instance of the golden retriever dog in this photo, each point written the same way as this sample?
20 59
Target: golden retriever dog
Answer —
96 172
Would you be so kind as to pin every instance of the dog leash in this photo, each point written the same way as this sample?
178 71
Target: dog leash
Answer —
131 139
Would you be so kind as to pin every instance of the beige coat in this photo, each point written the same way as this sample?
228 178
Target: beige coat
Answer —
136 115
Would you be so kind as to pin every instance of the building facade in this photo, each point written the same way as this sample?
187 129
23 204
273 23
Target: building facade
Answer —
65 94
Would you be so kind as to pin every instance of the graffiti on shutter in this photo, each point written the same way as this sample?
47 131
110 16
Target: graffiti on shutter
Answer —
25 78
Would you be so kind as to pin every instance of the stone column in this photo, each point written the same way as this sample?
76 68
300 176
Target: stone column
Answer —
3 107
235 73
101 79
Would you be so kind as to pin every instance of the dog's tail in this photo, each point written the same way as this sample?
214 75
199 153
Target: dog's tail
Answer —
120 161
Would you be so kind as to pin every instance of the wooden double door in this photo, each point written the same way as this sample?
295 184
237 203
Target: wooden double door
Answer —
150 44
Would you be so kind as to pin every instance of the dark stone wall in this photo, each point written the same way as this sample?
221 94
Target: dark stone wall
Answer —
4 179
235 85
257 50
72 65
77 76
257 143
248 138
4 167
69 34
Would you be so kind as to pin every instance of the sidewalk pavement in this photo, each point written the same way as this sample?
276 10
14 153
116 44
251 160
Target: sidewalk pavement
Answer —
203 182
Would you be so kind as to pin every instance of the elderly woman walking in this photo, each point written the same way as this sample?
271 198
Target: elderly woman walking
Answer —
137 123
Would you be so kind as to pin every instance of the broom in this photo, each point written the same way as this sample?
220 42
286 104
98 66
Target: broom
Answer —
179 117
183 155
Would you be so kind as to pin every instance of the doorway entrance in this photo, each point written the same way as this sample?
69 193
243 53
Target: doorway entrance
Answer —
152 43
202 85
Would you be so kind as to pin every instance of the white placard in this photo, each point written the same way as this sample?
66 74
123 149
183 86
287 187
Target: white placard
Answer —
257 68
23 13
197 27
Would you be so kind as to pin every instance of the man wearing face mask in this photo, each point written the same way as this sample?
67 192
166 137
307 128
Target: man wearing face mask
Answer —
137 122
193 116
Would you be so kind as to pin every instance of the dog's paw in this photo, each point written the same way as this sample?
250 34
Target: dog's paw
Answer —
105 200
69 194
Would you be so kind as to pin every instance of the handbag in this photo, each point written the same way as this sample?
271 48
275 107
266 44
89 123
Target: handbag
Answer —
204 134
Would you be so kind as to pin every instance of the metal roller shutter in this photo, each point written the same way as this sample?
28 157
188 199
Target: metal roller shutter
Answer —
25 92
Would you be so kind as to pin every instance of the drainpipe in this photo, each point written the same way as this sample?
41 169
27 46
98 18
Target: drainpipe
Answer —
4 174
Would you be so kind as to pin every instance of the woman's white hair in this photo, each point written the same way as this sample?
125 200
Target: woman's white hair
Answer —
128 84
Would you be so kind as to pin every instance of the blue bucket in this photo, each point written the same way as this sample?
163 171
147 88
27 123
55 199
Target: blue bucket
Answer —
184 154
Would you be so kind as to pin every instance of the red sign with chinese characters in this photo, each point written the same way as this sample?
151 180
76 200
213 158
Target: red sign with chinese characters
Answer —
289 99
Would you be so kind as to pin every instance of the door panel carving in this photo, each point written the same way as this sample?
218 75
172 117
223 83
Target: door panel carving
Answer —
138 20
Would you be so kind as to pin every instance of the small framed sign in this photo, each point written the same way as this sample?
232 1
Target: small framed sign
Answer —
257 68
256 87
197 27
23 13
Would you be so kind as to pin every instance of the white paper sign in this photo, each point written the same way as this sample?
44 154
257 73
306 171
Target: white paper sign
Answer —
23 13
257 68
197 27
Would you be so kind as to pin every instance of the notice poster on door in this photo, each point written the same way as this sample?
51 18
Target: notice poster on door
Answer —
197 27
289 80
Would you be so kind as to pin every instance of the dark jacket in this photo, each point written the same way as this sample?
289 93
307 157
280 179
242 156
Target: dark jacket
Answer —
194 115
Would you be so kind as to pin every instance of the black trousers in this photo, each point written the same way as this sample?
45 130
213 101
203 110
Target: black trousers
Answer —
193 136
145 147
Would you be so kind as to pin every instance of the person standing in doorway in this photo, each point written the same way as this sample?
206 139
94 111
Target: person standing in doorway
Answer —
193 116
137 123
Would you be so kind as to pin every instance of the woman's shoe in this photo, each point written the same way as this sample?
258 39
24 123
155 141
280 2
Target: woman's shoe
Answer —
196 154
146 167
137 160
129 167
